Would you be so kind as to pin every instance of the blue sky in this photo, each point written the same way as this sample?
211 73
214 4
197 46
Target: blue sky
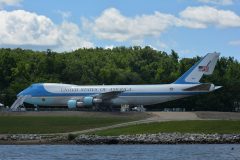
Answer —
190 27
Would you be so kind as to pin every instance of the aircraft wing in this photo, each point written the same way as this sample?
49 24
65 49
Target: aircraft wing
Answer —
108 95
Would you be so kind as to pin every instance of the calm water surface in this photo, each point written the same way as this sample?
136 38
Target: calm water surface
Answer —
117 152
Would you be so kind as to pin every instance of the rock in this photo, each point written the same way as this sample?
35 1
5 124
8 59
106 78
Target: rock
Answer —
160 138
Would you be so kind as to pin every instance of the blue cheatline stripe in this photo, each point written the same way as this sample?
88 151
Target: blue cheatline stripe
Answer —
122 94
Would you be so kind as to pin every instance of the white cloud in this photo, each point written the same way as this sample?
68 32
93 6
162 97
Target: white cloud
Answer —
235 43
109 47
9 3
190 24
160 45
65 14
69 38
217 2
205 15
112 25
22 28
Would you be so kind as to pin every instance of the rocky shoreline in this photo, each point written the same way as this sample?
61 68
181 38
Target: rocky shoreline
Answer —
160 138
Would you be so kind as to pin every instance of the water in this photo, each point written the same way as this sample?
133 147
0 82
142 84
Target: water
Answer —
118 152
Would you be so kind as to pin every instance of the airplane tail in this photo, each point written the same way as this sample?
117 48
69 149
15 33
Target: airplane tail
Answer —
204 67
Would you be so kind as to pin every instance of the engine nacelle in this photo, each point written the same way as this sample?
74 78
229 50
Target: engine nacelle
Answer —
86 101
72 103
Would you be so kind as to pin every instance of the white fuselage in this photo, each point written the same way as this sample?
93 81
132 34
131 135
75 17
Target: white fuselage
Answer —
55 94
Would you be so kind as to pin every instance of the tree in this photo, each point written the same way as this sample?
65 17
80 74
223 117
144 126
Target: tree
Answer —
121 65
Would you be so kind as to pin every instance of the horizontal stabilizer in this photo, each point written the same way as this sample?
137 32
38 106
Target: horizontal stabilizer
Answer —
205 87
201 87
217 87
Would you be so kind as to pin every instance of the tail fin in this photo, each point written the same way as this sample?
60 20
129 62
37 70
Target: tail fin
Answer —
204 67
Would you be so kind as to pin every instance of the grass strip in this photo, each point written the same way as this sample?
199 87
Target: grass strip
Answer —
191 126
55 124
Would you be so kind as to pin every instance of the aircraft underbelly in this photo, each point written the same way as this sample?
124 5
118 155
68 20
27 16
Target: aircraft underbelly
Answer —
145 100
50 101
131 100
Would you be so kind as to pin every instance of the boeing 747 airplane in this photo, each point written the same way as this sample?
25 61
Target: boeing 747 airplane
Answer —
73 96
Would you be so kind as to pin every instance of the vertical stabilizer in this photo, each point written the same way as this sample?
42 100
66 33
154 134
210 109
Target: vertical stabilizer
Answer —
204 67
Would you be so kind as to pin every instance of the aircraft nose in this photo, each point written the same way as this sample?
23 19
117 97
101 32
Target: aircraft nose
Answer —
20 94
23 93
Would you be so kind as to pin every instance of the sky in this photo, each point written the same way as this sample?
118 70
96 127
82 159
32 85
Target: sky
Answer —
190 27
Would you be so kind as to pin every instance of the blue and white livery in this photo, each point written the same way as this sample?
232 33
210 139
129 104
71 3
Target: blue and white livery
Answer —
73 96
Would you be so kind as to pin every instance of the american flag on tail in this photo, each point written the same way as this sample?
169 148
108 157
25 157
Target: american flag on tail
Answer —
204 68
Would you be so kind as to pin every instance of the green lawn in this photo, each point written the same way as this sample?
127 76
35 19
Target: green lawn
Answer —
204 126
55 124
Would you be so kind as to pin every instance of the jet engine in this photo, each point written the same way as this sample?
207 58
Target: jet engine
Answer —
85 101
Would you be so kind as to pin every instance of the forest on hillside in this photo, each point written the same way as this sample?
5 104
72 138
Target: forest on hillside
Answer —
134 65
